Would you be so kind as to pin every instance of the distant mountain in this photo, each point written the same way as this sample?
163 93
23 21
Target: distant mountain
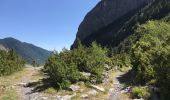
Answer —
29 52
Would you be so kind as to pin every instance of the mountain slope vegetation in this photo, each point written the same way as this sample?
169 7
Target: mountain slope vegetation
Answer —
27 51
114 33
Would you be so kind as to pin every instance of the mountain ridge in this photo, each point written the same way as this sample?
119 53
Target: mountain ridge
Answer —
27 51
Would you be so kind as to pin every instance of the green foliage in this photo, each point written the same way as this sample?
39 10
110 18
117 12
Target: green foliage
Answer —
121 60
126 37
91 59
95 60
64 68
162 68
139 92
10 62
155 34
151 55
33 63
60 72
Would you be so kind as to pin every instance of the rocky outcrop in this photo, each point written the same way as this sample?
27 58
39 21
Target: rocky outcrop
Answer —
105 13
2 48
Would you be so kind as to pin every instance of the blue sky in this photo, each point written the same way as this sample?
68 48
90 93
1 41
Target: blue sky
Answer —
51 24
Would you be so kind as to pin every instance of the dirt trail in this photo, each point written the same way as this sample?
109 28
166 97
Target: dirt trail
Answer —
116 92
21 86
32 75
27 94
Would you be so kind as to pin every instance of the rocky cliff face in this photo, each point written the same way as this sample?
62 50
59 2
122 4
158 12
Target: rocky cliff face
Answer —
105 13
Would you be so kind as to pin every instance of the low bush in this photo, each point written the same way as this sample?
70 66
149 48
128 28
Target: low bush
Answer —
94 61
139 92
61 74
64 68
121 60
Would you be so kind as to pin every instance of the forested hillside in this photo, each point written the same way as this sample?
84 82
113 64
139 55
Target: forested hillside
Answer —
158 10
27 51
114 33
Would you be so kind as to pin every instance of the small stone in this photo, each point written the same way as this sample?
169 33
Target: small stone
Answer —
138 99
106 66
74 87
98 88
116 67
84 96
21 84
87 75
44 98
66 97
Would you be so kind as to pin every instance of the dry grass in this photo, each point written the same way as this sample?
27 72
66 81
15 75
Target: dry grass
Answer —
125 97
7 84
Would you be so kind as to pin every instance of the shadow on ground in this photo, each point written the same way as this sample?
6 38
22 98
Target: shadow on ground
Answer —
127 78
40 85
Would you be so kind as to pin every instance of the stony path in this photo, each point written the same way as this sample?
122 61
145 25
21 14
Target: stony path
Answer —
24 91
115 93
